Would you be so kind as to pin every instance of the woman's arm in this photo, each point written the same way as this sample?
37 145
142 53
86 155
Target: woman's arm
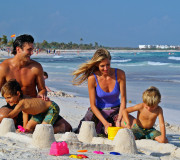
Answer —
122 84
92 98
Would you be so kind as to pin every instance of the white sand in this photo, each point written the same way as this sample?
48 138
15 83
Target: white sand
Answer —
19 146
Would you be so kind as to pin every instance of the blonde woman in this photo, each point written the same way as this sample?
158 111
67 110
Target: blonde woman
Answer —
105 86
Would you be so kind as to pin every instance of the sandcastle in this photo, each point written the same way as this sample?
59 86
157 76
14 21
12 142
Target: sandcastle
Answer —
87 132
7 125
43 136
124 142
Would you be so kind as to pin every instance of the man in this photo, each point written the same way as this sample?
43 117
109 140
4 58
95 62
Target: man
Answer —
29 74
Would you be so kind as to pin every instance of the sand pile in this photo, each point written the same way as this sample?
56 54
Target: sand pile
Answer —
59 94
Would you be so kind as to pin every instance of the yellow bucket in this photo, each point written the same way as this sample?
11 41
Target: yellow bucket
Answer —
112 131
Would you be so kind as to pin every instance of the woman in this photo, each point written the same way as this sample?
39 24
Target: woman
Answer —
105 85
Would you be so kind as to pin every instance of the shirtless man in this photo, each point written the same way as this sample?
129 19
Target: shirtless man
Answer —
28 73
148 111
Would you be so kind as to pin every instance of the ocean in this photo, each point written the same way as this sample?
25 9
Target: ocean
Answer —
143 69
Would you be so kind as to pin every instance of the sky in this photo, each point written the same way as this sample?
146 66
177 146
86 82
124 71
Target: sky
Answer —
111 23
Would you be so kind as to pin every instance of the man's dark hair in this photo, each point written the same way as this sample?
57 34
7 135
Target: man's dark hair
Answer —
20 41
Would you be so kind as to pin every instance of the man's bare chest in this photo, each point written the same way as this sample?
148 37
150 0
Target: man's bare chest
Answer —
23 76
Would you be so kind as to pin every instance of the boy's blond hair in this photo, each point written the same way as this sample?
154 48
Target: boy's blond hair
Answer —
151 96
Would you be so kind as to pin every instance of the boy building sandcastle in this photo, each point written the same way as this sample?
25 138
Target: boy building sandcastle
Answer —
148 111
45 112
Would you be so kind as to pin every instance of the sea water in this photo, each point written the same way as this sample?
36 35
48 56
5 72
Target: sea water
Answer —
143 69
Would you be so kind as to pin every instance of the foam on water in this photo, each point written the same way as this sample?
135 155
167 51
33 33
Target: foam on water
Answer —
121 61
174 58
156 63
57 56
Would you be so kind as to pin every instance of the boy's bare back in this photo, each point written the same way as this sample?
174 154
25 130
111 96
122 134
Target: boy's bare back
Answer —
145 118
33 106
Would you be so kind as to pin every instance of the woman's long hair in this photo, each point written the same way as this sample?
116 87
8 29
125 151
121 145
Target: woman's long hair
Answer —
86 69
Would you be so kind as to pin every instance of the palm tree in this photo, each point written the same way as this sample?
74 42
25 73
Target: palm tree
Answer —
81 39
0 40
10 43
96 45
4 40
80 46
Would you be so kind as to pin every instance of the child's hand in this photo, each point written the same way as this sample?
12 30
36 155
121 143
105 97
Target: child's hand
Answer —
18 130
118 123
106 127
161 139
128 126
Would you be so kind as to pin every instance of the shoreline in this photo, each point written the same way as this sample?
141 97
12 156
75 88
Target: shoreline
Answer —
75 51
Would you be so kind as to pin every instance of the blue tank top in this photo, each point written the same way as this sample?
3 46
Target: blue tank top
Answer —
107 99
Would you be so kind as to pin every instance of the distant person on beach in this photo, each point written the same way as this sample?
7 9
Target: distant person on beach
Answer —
29 74
45 112
105 85
46 77
148 111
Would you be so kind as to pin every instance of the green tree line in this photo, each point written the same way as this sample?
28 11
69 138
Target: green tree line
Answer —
62 45
4 42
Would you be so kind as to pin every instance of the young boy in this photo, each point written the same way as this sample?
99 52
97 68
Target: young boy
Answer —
148 111
45 112
46 77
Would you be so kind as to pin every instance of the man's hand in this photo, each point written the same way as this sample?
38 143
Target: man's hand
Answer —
43 96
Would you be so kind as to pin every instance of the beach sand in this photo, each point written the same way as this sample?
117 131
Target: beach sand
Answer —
19 146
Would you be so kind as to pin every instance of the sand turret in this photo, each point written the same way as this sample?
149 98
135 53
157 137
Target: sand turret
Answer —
43 136
7 125
87 132
124 142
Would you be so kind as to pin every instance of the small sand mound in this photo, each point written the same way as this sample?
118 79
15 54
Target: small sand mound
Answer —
59 94
69 136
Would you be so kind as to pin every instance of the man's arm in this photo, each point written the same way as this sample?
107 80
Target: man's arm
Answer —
41 83
2 75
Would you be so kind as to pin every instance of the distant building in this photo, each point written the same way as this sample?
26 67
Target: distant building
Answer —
157 47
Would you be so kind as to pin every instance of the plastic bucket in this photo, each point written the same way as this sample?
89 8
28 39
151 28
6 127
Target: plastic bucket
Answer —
112 131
